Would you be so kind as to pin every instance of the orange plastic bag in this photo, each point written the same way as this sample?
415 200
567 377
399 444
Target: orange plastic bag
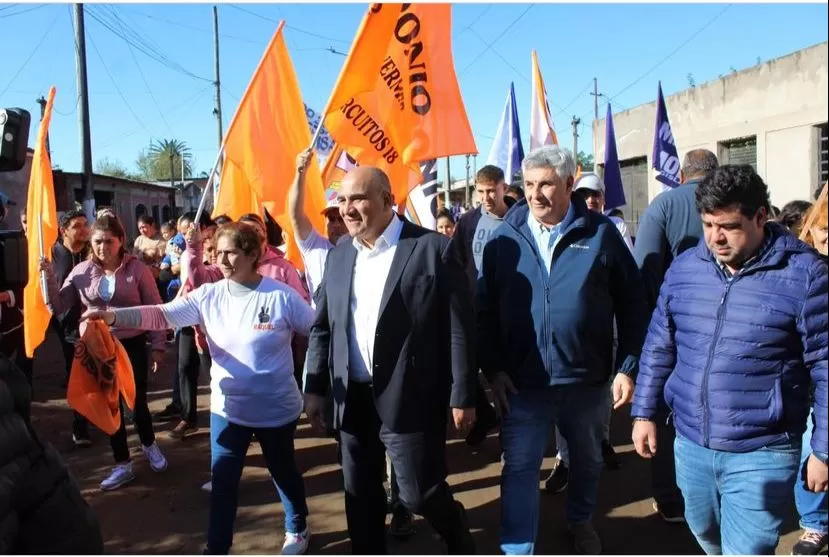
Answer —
101 374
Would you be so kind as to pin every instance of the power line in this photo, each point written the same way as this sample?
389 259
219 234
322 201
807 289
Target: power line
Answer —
577 97
672 53
26 62
185 102
143 47
504 32
123 98
192 28
37 7
291 27
147 86
8 7
508 63
474 21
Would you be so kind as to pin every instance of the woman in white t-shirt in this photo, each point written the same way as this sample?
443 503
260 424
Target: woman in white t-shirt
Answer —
248 320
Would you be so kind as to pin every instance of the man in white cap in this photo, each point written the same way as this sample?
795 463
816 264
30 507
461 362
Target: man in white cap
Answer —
591 188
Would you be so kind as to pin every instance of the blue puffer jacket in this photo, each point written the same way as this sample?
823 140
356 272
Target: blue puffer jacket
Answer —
558 329
734 357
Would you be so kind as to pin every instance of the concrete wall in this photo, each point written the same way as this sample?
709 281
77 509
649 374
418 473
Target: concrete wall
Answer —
780 102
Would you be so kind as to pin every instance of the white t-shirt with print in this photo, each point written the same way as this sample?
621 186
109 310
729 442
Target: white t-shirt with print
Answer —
252 378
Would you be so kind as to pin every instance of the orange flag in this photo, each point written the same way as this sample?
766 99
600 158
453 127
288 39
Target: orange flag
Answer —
101 375
43 230
267 133
397 100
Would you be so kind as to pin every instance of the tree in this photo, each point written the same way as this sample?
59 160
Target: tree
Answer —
114 168
691 81
154 164
585 161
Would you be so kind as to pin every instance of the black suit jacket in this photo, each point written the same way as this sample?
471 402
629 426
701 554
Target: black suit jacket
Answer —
424 347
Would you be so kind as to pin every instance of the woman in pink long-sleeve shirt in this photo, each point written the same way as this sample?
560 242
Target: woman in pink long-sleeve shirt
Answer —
113 278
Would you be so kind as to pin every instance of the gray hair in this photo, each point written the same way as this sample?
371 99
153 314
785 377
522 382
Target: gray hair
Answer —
699 163
551 156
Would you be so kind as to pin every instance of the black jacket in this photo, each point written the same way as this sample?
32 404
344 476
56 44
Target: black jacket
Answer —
63 260
424 349
41 508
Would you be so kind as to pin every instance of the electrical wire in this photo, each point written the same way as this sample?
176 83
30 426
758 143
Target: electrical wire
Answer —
192 28
142 47
498 38
120 93
185 102
149 91
291 27
673 52
23 11
26 62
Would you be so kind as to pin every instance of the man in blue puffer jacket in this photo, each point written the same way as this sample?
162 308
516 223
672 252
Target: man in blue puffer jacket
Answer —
738 337
554 275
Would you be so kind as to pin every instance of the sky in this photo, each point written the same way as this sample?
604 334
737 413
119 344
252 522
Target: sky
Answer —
135 98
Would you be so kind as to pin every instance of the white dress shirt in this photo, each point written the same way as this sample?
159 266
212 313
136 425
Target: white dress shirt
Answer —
546 238
371 269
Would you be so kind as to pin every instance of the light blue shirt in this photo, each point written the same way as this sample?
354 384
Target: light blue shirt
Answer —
106 289
546 238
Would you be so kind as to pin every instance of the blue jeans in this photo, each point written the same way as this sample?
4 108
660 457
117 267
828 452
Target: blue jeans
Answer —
812 507
561 443
578 410
228 447
735 503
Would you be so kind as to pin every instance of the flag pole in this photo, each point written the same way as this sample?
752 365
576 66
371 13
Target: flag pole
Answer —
44 284
209 183
317 132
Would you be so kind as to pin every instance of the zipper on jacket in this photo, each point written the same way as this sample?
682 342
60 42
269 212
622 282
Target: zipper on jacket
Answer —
706 372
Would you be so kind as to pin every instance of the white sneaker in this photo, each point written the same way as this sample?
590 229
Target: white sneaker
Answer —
296 544
121 475
208 487
158 462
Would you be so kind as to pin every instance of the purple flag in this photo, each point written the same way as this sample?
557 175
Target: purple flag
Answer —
614 195
665 159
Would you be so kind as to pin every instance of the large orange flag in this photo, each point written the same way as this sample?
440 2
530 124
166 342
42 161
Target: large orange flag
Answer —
397 100
43 230
267 133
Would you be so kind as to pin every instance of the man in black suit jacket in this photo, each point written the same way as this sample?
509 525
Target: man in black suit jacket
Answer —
392 341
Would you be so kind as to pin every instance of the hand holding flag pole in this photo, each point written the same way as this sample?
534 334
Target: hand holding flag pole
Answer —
44 284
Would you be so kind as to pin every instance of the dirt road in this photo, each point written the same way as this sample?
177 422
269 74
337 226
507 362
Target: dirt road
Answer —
167 513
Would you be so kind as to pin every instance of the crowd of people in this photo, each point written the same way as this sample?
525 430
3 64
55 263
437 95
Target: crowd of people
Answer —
711 320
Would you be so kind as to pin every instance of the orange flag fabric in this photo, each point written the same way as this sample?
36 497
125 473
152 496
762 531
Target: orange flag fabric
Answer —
267 133
397 101
43 230
101 375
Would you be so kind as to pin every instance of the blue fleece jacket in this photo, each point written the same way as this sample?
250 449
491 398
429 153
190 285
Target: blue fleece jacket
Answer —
557 329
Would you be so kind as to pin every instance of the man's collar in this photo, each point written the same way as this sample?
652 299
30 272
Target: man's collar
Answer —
387 239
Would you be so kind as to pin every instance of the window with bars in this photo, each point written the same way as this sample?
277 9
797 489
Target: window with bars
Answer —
739 151
823 153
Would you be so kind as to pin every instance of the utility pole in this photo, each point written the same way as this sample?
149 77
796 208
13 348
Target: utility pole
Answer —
466 189
42 102
446 202
83 115
576 122
595 99
217 111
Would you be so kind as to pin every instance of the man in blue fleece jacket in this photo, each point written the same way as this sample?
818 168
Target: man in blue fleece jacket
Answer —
738 337
554 276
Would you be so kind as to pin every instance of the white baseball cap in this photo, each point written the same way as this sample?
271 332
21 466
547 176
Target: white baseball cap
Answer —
589 181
